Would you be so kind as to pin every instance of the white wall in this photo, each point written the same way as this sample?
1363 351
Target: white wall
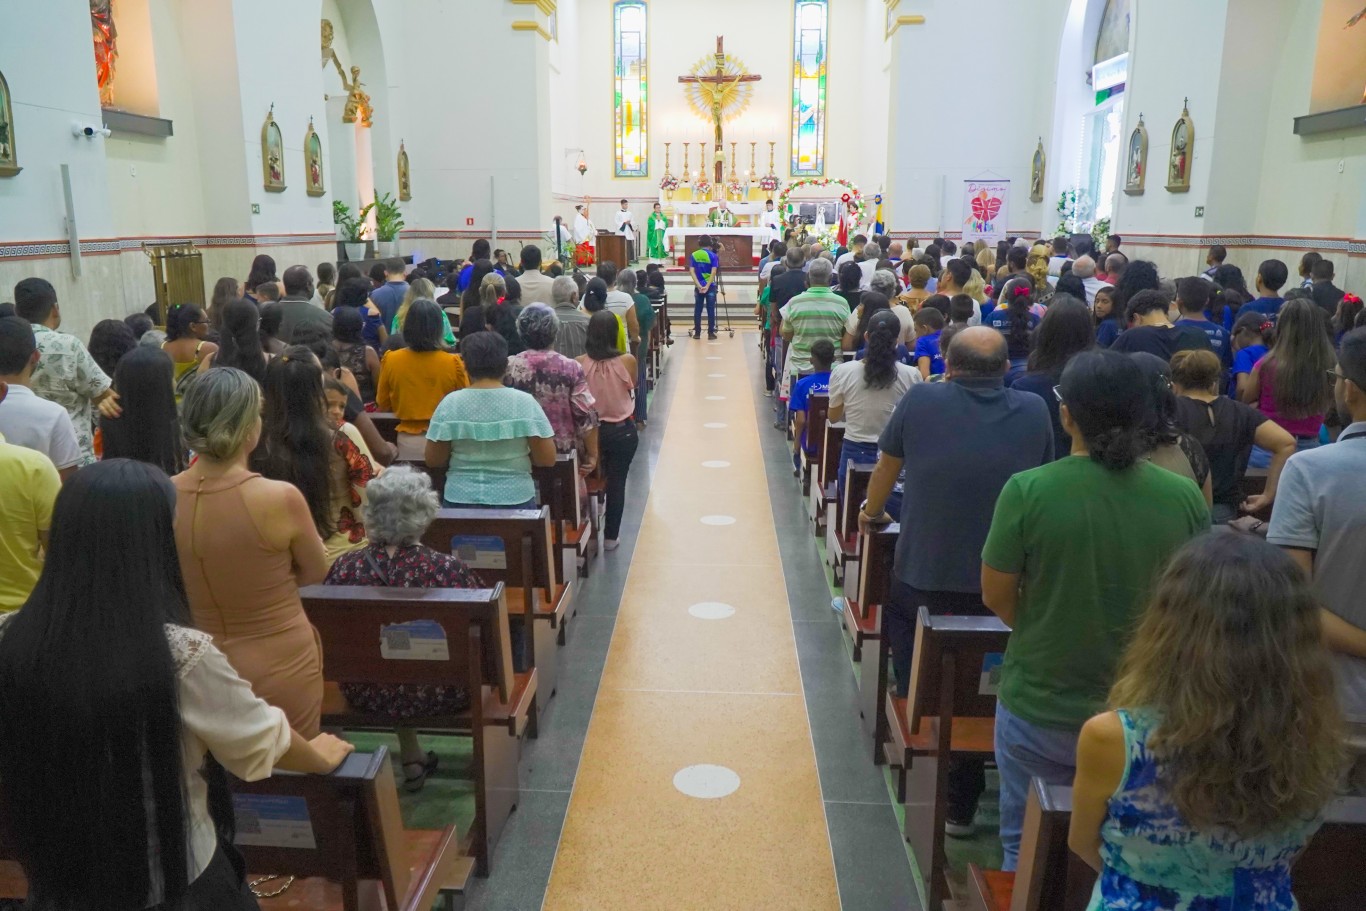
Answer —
940 138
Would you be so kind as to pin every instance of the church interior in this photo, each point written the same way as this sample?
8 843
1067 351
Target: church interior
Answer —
683 659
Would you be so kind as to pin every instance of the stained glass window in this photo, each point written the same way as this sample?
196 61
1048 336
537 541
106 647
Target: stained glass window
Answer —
808 88
630 105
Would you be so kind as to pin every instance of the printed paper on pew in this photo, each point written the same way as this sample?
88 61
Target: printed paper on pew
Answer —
991 674
270 821
416 640
480 551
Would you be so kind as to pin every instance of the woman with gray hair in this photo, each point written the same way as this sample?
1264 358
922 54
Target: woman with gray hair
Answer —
557 383
401 506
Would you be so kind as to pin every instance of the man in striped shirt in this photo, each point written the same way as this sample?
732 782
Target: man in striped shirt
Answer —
817 314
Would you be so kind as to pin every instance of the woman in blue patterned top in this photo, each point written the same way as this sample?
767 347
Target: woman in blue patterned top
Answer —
1202 786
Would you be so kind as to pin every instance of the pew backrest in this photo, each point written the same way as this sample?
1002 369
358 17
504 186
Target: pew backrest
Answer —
830 452
523 535
415 636
875 571
386 422
558 489
817 408
967 647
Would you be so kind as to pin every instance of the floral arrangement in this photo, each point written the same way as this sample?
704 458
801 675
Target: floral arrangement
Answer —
702 185
668 182
770 183
853 199
735 189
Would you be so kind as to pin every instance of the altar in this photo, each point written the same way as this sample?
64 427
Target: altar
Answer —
737 244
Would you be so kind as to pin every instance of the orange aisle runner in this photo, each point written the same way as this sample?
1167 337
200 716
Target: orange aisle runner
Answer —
697 788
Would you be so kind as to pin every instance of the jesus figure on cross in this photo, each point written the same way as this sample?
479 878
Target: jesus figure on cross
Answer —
721 91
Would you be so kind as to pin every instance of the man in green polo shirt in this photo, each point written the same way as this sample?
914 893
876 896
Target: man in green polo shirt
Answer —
817 314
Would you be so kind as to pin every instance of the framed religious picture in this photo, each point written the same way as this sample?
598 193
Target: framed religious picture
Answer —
1036 174
272 154
1136 162
313 162
1180 159
9 158
405 184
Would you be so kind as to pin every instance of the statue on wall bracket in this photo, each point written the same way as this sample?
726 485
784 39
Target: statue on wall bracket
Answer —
9 158
1136 163
1182 155
313 162
272 154
1036 173
405 185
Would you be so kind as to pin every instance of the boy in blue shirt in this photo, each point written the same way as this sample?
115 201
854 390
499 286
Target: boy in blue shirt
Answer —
818 383
1192 297
929 324
1271 277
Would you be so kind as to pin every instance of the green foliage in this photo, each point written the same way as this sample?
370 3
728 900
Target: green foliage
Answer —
353 226
1100 232
388 218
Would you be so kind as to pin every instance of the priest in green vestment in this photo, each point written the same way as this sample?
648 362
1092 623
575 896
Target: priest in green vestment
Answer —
654 234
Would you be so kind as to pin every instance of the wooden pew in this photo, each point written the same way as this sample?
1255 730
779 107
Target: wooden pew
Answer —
575 542
1051 878
841 535
823 489
817 407
525 565
863 623
342 836
355 625
386 422
949 710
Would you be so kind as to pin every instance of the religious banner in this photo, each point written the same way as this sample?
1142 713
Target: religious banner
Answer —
986 203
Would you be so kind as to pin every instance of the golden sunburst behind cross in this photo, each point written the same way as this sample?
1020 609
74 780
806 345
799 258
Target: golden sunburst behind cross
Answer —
732 94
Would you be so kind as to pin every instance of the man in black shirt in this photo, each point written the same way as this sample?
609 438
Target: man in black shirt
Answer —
1153 332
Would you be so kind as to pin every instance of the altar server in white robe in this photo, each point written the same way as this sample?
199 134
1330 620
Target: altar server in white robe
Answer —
626 227
771 220
583 228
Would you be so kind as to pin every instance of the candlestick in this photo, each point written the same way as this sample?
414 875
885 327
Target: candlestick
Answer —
732 158
771 144
666 157
752 147
686 172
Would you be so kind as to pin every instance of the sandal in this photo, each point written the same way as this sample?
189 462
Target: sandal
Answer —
413 781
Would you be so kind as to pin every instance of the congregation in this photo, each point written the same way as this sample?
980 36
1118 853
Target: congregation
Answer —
290 433
1151 481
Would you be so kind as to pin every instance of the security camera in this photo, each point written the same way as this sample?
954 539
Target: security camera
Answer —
89 132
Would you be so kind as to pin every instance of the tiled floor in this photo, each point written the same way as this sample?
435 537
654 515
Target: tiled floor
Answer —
648 688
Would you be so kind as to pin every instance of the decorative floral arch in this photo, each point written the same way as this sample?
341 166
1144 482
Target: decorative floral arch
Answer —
852 198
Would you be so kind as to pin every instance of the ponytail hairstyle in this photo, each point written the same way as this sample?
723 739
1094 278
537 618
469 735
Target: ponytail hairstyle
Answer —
1017 296
180 320
1258 325
879 356
1107 396
870 303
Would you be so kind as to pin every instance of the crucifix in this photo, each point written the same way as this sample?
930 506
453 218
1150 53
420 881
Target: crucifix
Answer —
720 90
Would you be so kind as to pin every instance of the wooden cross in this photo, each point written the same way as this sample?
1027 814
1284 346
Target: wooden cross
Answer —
717 83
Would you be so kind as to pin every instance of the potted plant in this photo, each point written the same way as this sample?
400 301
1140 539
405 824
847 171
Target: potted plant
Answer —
351 229
388 223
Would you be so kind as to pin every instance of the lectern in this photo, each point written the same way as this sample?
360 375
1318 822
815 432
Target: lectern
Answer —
612 246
